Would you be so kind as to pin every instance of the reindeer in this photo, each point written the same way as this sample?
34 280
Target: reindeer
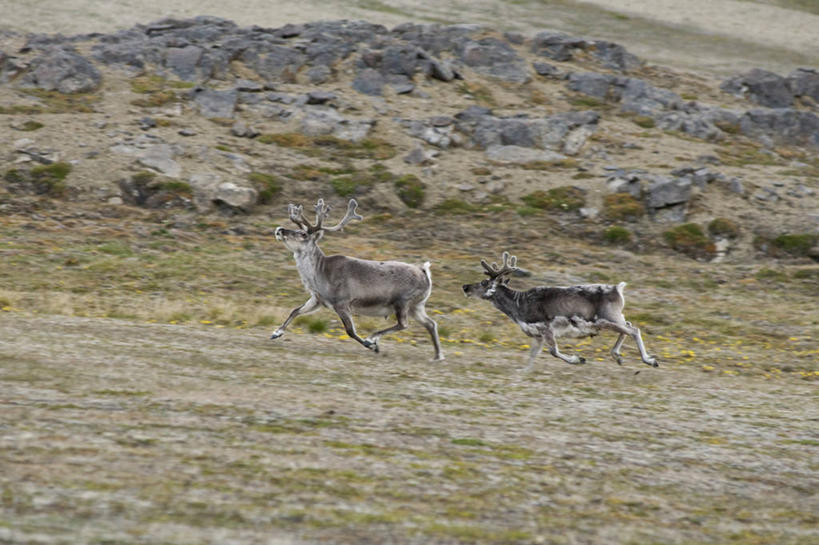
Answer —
355 286
545 312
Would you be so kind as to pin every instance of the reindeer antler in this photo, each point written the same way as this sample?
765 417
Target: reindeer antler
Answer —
297 216
509 266
322 211
348 217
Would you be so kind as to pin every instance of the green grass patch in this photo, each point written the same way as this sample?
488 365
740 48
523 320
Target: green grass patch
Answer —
331 146
267 185
740 155
622 207
410 190
723 227
565 198
797 244
54 102
456 206
30 125
690 240
617 235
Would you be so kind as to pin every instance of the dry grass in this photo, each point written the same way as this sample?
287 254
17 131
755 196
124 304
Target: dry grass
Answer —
181 418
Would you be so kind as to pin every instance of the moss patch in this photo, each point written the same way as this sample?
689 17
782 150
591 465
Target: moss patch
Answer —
690 240
622 207
565 198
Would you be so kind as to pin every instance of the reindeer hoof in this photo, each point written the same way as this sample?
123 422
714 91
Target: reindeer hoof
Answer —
581 359
371 345
653 362
276 335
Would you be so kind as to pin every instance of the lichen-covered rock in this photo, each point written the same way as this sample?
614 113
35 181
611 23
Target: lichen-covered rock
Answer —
762 87
62 70
215 104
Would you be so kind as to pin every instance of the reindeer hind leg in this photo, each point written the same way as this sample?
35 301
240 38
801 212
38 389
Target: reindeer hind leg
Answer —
420 315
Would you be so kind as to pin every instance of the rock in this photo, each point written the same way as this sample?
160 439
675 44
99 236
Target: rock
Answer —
160 158
62 70
663 191
589 212
324 121
248 86
575 140
804 82
591 83
369 82
184 62
762 87
614 56
627 183
783 125
521 155
441 70
418 156
242 130
320 97
281 97
215 104
235 197
318 75
556 45
496 58
560 47
546 69
147 123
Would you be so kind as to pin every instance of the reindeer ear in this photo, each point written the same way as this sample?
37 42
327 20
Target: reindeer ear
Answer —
318 235
505 281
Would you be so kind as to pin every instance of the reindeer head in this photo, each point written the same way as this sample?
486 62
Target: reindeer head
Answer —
307 234
485 289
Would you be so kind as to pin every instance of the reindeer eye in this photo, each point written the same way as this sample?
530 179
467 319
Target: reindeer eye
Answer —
484 283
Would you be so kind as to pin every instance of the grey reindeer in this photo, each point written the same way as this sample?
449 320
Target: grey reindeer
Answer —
349 285
546 313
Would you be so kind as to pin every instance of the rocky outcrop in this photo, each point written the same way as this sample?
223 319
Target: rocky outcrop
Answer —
63 70
564 132
774 91
562 47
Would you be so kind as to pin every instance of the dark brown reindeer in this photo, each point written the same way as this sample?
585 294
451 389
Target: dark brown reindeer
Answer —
546 313
355 286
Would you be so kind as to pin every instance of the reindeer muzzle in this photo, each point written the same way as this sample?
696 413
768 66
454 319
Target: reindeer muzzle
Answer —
278 233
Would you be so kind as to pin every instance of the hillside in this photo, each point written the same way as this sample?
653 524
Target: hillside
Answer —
144 171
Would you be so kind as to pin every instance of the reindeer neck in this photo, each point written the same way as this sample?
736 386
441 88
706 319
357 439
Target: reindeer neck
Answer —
309 263
507 301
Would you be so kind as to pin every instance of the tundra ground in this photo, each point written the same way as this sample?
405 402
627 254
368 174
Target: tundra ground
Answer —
142 401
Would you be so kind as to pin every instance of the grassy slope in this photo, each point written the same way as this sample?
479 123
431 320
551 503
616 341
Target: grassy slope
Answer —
183 424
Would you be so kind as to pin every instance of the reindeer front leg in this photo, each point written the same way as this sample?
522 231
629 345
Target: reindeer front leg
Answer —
549 337
311 305
349 327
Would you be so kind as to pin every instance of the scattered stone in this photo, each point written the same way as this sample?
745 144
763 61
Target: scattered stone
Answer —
369 82
147 123
215 104
243 130
521 155
187 132
418 156
318 121
320 97
248 86
160 158
546 69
